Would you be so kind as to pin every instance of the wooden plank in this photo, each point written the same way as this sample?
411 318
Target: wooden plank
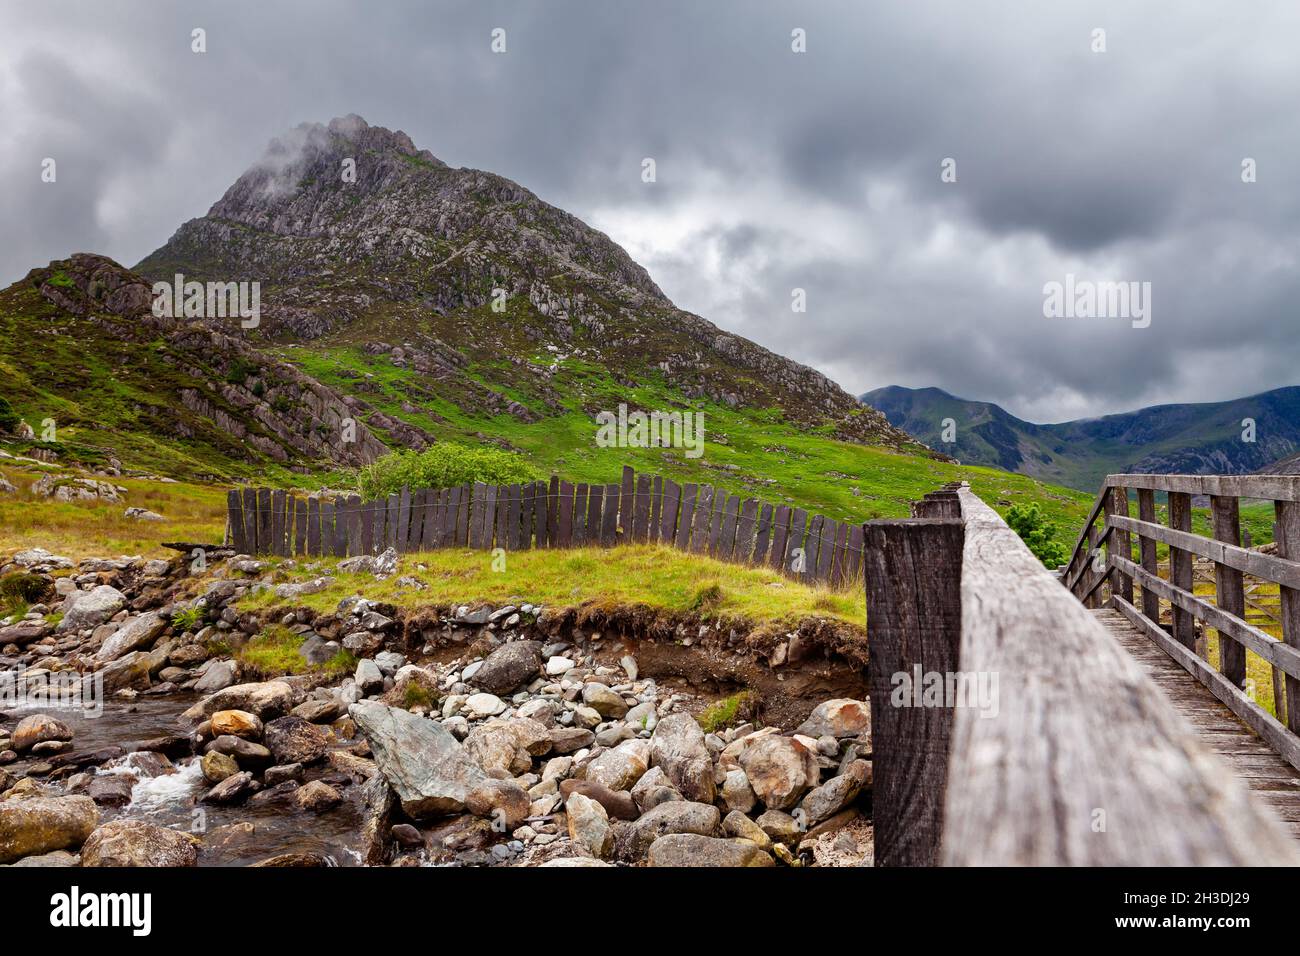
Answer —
1147 550
344 517
327 528
419 512
913 587
762 534
595 499
826 550
435 505
403 518
838 574
372 526
1267 566
527 504
1076 729
641 509
541 514
277 522
780 535
580 515
672 496
477 504
796 553
553 513
1120 543
812 548
854 571
565 515
352 542
703 515
1286 533
686 519
626 495
656 507
730 518
300 527
514 505
609 522
392 508
338 533
264 521
1180 574
1263 487
719 516
486 533
743 551
1229 589
313 527
235 520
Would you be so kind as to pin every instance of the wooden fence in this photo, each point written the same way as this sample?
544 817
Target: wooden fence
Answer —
1076 758
1103 568
557 514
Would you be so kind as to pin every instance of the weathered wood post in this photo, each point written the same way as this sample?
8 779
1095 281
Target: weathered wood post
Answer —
913 582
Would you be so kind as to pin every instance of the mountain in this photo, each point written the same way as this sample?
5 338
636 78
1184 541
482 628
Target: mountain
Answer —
1201 438
420 301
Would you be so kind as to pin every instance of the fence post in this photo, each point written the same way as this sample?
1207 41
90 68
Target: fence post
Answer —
913 583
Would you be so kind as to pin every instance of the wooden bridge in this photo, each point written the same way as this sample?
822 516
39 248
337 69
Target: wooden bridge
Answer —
1026 717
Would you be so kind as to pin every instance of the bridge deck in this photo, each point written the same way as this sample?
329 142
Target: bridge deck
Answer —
1272 778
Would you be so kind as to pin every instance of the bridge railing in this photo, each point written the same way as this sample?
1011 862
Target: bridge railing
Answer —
1104 568
1010 729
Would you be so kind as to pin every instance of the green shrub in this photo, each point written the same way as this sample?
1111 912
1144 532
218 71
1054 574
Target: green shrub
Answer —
19 589
1037 532
187 620
9 419
442 466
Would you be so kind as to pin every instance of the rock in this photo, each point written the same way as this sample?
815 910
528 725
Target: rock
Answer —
567 740
677 816
111 789
292 739
317 796
369 677
282 772
780 826
237 723
692 849
737 794
40 558
509 666
218 676
137 633
622 767
736 824
508 744
484 705
381 566
780 769
836 794
838 718
218 766
407 836
617 804
138 843
316 650
24 632
88 608
642 717
557 666
677 746
503 801
231 790
589 825
142 514
653 789
422 762
246 752
628 663
603 701
32 825
567 861
38 728
266 699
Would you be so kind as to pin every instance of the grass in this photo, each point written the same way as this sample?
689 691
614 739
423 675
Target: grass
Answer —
655 576
726 712
274 653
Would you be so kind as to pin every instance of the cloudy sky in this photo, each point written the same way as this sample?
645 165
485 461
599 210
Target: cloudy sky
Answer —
776 170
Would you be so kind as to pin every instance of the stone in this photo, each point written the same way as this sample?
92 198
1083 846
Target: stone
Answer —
139 843
136 634
38 728
604 701
628 663
692 849
88 608
111 789
678 816
35 824
780 770
621 767
508 744
652 789
838 718
780 826
217 767
484 705
836 794
237 723
423 763
246 752
737 794
642 717
292 739
567 740
677 746
503 801
282 772
265 699
369 677
557 666
736 824
405 835
508 667
40 558
618 804
317 796
231 790
218 676
589 825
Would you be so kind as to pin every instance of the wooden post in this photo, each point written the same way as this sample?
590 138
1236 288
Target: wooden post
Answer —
913 582
1147 549
1287 535
1229 592
1180 571
1120 543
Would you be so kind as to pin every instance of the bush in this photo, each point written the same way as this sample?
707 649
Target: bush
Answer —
9 419
1037 532
442 466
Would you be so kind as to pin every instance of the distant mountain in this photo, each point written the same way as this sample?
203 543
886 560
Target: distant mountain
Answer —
1203 438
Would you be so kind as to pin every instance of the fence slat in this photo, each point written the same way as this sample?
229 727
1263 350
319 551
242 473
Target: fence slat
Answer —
1229 588
780 535
553 512
502 518
826 549
1147 552
609 521
796 564
342 521
527 506
580 515
762 534
744 549
327 529
641 509
703 517
277 521
263 520
514 508
856 538
1180 569
656 506
313 527
235 518
839 571
686 519
250 519
565 510
355 505
595 498
626 497
300 527
812 549
1287 535
668 511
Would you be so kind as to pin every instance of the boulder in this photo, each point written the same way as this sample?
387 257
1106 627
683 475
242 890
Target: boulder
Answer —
621 767
836 794
589 825
292 739
265 699
654 788
503 801
38 728
217 766
566 740
678 816
423 763
231 790
604 701
369 677
737 794
508 667
618 804
136 634
692 849
677 747
218 676
317 796
88 608
238 723
138 843
34 824
508 744
780 769
838 718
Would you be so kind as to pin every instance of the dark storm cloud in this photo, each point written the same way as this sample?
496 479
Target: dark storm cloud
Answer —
776 170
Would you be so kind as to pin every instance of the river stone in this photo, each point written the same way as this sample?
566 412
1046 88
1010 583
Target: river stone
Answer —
692 849
604 701
238 723
780 769
369 677
135 634
508 667
677 746
622 767
218 676
566 740
737 794
642 717
558 665
420 759
268 698
295 740
38 728
589 825
484 705
507 744
231 790
654 788
780 826
618 804
836 794
88 608
23 632
217 766
838 718
503 801
736 824
111 789
138 843
678 816
247 752
317 796
31 825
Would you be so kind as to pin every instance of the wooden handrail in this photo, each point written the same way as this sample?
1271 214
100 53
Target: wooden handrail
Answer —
1076 759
